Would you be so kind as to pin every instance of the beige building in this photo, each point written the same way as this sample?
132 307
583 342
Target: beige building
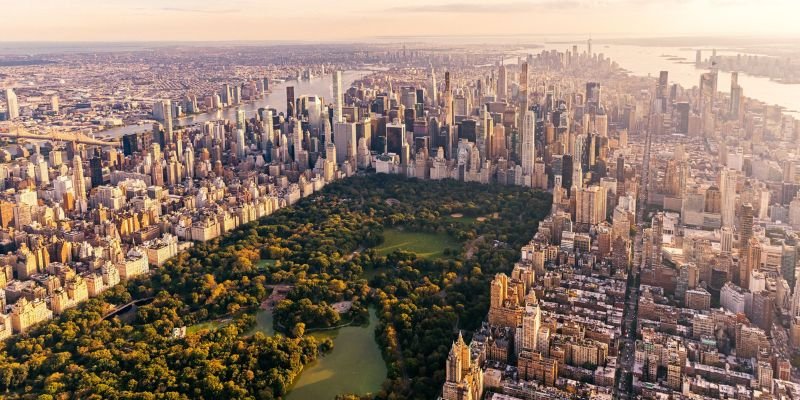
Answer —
464 377
74 292
135 264
160 250
25 314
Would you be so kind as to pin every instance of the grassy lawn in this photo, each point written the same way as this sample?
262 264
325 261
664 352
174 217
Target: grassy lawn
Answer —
426 245
205 326
460 220
263 264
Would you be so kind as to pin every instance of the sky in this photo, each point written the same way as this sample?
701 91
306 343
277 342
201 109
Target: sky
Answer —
352 20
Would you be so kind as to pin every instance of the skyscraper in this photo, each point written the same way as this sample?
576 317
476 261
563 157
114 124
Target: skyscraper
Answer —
344 136
337 97
241 118
523 88
737 94
297 140
662 91
12 104
592 96
434 88
78 183
289 101
162 111
267 133
395 136
528 151
728 197
448 101
240 144
502 83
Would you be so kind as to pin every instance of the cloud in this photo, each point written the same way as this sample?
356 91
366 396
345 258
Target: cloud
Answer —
496 8
200 10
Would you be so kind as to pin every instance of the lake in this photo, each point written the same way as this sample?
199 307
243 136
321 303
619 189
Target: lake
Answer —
354 366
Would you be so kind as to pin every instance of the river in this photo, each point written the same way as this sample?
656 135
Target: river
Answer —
322 86
648 61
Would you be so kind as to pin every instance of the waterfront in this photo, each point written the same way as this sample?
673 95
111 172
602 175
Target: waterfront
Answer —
321 85
648 61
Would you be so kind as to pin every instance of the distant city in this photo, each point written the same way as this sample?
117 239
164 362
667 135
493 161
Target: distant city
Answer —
665 264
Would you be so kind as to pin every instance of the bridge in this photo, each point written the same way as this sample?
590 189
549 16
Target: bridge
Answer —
75 137
124 308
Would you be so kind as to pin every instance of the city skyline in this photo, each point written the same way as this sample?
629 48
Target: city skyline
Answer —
317 21
400 200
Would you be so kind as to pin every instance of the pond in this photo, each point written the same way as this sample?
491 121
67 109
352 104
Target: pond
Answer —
354 366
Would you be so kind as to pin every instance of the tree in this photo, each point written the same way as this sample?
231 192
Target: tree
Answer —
299 329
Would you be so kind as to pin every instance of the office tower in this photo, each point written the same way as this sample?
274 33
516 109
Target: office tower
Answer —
523 89
130 144
241 119
682 112
78 183
727 186
528 151
297 140
448 101
241 145
663 84
708 90
589 46
408 98
162 111
698 58
337 97
486 134
54 107
434 88
188 157
749 261
344 136
745 224
96 170
468 130
499 142
395 137
12 104
726 240
502 83
289 101
267 133
592 97
736 96
581 153
662 91
236 95
225 94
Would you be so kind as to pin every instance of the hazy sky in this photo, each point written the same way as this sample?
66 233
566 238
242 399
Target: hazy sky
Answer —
321 20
